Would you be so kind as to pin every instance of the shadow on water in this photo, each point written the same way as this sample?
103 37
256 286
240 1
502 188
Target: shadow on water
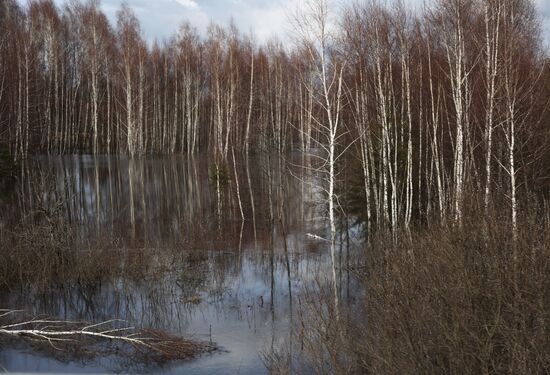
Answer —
209 274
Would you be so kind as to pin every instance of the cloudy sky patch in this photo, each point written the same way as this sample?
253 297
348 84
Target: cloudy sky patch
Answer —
187 3
265 18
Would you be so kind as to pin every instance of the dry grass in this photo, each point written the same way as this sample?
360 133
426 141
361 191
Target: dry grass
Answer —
168 347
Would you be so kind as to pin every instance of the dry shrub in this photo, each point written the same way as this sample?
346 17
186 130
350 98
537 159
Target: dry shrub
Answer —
324 336
37 254
446 300
48 254
462 300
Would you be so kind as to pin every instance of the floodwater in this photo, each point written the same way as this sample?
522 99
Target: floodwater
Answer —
238 283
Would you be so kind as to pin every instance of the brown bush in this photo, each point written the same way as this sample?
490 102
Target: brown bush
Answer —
445 300
48 254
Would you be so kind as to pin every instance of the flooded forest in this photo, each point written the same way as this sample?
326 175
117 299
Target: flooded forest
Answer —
367 194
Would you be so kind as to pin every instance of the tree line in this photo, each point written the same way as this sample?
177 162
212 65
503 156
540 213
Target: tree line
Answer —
429 106
71 82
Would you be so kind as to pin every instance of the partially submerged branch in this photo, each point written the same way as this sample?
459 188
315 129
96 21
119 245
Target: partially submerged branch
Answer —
154 345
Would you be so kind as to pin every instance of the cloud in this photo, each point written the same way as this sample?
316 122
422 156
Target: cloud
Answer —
265 18
188 3
543 7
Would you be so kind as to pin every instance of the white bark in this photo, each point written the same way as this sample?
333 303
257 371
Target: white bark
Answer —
250 102
492 27
456 60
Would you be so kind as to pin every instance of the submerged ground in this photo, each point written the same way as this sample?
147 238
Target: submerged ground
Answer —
193 266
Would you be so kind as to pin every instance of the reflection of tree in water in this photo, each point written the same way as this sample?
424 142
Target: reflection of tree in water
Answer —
160 298
153 201
184 268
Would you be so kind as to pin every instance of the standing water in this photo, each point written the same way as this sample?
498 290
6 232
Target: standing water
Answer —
224 254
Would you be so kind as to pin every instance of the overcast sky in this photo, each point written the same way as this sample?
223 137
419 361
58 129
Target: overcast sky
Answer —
160 18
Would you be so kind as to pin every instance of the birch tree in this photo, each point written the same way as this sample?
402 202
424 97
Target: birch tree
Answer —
128 30
519 79
328 69
492 11
452 18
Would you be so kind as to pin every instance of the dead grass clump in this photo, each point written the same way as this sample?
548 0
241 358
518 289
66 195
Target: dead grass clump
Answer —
167 347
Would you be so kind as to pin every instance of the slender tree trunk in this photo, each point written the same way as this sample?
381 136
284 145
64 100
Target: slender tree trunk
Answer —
250 102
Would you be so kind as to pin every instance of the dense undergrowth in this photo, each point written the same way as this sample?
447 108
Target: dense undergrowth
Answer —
446 299
47 254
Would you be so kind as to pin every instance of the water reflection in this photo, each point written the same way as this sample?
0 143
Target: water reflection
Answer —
231 281
156 200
